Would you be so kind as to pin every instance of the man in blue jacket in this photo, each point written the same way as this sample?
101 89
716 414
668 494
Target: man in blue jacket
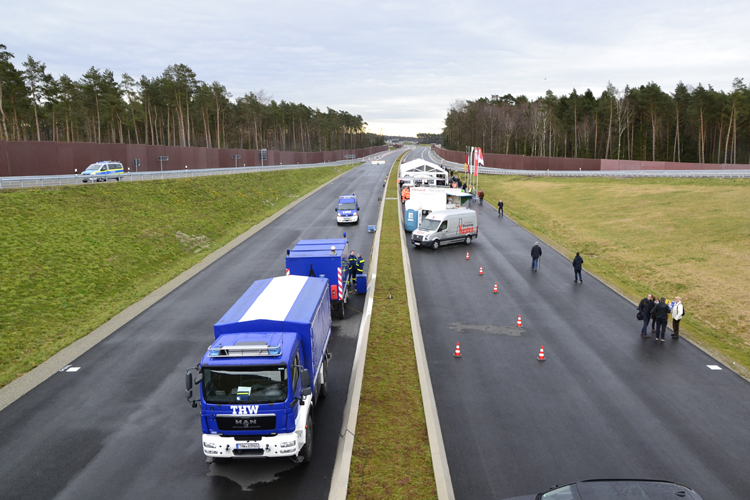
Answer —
536 252
645 308
577 267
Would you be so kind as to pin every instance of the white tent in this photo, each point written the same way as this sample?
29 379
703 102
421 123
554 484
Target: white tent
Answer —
422 169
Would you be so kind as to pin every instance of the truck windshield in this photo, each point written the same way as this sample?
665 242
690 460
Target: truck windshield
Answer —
261 384
347 206
429 225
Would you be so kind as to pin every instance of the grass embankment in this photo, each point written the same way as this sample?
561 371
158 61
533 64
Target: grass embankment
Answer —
671 237
74 257
391 434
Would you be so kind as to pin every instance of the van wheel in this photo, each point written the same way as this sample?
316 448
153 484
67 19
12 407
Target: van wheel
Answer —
435 244
467 240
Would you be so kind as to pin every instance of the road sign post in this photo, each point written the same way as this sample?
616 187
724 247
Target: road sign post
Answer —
263 156
235 158
350 158
136 163
162 159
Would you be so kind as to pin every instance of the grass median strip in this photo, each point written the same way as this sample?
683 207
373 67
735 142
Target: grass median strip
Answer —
668 236
391 455
73 257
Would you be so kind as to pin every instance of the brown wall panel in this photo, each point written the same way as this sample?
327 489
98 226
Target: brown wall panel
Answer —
4 171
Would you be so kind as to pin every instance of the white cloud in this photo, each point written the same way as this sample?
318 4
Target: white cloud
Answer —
399 65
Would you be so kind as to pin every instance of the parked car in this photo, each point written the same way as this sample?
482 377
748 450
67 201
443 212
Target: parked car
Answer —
616 489
103 171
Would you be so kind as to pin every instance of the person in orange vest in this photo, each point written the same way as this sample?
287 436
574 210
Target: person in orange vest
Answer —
405 194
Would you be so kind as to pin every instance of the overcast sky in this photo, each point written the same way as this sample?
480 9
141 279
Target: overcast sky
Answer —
398 64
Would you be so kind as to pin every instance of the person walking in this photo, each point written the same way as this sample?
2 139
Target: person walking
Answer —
678 311
661 313
536 252
480 194
500 208
577 267
645 308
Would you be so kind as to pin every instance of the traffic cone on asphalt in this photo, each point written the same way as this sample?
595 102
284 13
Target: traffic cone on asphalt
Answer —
494 290
518 323
480 271
541 354
467 255
457 354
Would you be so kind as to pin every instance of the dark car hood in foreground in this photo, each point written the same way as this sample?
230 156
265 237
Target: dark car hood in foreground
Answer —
624 489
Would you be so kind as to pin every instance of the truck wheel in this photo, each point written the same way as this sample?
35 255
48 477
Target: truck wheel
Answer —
467 240
324 385
342 310
435 244
305 454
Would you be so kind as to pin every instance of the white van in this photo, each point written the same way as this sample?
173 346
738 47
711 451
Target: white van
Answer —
446 226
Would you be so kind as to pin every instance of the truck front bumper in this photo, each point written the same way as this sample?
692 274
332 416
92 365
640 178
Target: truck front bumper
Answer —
281 445
342 220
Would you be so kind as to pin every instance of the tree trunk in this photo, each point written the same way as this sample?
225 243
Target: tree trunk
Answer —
2 114
609 131
702 144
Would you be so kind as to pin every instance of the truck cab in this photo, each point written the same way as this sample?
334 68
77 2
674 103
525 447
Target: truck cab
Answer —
347 210
260 379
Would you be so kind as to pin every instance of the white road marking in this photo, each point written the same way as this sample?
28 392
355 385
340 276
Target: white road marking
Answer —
714 367
73 369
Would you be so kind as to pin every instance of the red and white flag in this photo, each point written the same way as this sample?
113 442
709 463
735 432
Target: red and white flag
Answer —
479 161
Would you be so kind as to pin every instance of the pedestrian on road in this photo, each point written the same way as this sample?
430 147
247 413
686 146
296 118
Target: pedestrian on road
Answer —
352 266
653 315
661 313
644 309
500 208
678 311
536 252
480 194
577 266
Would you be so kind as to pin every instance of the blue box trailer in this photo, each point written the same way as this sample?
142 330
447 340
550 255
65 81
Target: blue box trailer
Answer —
261 378
324 258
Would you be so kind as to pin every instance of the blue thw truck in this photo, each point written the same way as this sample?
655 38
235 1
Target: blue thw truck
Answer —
324 258
261 378
347 209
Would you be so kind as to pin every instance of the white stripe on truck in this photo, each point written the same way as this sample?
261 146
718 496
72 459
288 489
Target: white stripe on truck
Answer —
275 302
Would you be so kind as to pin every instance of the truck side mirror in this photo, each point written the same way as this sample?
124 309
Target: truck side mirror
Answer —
335 209
188 381
304 377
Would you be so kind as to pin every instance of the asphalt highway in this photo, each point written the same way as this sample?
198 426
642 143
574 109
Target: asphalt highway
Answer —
120 426
606 403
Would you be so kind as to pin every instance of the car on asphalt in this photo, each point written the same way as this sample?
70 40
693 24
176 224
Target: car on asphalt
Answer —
616 489
103 171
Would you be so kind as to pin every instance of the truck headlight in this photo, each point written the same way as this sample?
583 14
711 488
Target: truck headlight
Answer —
209 445
287 444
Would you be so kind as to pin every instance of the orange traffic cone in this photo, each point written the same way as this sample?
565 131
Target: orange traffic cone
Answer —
518 323
467 255
457 354
541 354
494 290
480 271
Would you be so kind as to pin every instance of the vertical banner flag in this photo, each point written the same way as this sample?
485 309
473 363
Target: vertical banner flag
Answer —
471 162
466 163
479 161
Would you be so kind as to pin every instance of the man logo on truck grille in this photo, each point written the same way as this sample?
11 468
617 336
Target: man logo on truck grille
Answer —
244 409
245 422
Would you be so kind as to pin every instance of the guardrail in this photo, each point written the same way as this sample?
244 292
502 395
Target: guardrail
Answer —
67 180
729 174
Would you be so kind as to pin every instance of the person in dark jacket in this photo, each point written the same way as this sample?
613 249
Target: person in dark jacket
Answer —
653 316
661 313
536 252
500 208
360 267
352 266
645 308
480 195
577 267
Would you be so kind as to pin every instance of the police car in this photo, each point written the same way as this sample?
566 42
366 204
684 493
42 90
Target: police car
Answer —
103 170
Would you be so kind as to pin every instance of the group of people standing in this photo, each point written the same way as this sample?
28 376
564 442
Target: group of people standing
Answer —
656 311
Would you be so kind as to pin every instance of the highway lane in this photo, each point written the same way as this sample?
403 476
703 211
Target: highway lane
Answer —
605 403
120 427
